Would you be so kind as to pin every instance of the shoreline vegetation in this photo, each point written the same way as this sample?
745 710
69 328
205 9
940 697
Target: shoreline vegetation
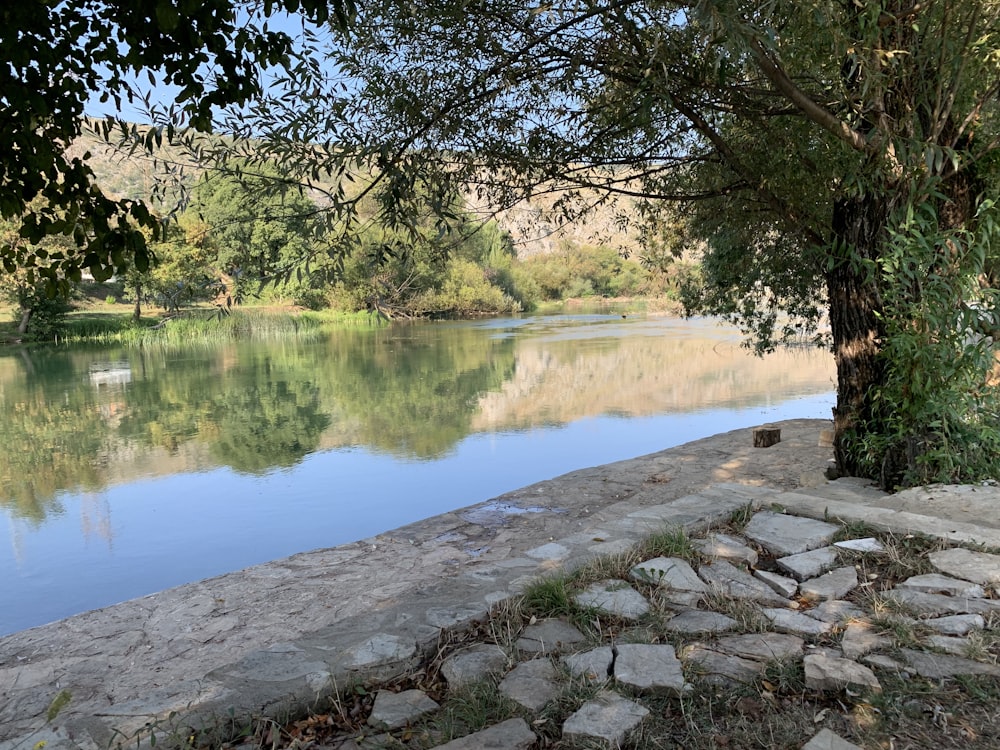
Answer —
113 324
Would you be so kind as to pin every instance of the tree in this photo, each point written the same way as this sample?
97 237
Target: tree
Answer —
56 55
39 316
834 155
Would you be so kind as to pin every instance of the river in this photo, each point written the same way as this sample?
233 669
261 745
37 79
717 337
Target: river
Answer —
124 472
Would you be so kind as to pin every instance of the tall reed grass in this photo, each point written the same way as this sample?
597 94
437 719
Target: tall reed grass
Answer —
211 329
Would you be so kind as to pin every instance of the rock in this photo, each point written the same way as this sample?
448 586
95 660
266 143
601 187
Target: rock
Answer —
859 639
837 611
824 739
868 544
513 734
551 551
608 718
955 624
613 597
593 665
717 668
761 646
796 623
939 604
699 621
809 564
738 584
531 684
978 567
828 673
788 535
548 636
834 585
950 644
672 574
725 547
395 710
648 667
782 585
935 583
473 664
381 648
936 666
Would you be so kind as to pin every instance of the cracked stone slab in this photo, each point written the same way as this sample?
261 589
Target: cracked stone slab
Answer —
381 648
648 667
614 597
593 665
513 734
762 646
978 567
833 585
473 664
700 621
547 636
827 673
784 535
737 583
395 710
809 564
531 684
936 583
726 547
608 717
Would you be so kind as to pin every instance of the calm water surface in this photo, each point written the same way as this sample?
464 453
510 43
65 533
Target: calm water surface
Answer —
125 472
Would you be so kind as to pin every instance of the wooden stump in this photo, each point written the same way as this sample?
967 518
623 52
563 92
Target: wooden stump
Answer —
766 436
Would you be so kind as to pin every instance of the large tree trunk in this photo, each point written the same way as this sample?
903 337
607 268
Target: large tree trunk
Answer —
859 226
22 327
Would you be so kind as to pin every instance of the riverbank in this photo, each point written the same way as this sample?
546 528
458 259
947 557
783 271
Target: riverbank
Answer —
284 636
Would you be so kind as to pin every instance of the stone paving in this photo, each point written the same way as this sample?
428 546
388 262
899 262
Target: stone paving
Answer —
280 637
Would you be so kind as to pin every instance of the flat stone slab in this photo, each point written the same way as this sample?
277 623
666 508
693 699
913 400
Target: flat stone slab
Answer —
395 710
795 623
950 644
936 583
837 611
859 639
809 564
700 621
381 648
939 604
726 547
782 585
867 544
833 585
473 664
978 567
549 636
531 684
608 717
937 666
669 573
955 624
648 667
824 739
761 646
784 535
613 597
717 668
513 734
593 665
827 673
729 580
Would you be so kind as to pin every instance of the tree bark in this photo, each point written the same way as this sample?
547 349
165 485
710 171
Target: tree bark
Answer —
855 303
22 327
137 312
